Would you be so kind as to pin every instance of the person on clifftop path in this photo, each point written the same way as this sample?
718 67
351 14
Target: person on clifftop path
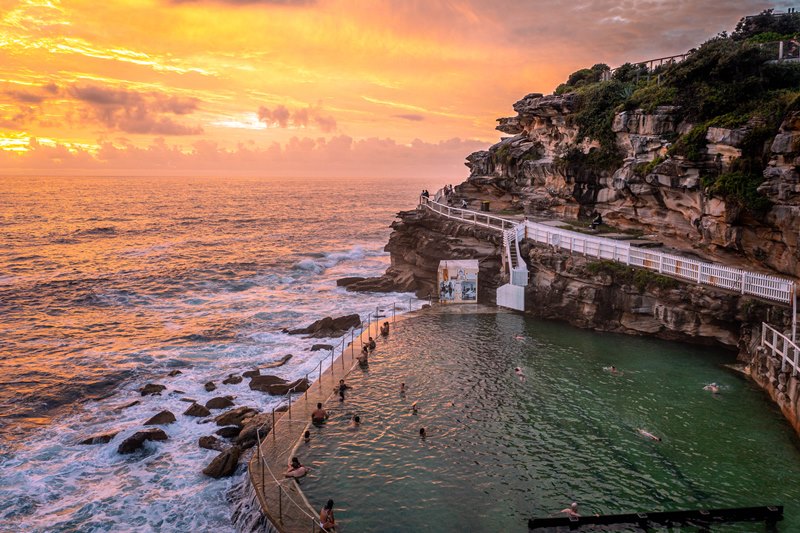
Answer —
326 519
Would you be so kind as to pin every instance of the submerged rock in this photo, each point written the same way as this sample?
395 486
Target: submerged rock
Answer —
174 373
129 405
220 402
197 410
224 464
151 388
280 362
232 379
251 373
137 440
99 439
162 418
210 386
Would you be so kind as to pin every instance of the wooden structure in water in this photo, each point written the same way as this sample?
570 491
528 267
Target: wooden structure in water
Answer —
701 518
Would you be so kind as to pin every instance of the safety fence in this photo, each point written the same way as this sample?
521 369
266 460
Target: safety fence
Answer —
280 498
712 274
779 345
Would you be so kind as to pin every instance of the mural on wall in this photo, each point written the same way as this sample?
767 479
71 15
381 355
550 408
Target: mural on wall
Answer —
458 281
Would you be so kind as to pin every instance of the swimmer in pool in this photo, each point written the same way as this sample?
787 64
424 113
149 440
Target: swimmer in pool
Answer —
648 435
296 470
713 387
355 423
572 510
520 374
414 408
422 433
402 389
613 370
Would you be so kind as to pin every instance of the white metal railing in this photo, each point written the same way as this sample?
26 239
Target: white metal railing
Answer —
780 345
474 217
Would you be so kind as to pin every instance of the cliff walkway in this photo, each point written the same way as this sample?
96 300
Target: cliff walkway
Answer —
512 294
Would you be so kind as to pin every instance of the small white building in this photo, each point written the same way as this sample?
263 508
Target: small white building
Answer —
458 281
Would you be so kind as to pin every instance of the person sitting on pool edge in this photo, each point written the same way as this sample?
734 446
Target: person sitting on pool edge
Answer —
363 359
319 416
296 470
385 329
371 344
326 519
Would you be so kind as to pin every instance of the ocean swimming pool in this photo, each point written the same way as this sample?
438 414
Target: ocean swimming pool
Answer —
499 451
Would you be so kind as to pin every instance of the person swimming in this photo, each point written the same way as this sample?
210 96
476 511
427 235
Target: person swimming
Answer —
648 435
520 374
713 387
613 370
402 389
572 510
422 433
414 409
355 422
307 436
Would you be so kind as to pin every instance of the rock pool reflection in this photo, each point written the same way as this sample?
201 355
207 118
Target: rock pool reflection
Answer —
499 450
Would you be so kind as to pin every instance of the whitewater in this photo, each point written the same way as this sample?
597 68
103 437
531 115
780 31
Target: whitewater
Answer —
110 283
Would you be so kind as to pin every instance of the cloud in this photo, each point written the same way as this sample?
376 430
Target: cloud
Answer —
340 156
411 116
248 2
135 112
281 117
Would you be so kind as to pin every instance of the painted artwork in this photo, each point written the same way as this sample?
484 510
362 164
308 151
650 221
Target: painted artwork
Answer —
458 281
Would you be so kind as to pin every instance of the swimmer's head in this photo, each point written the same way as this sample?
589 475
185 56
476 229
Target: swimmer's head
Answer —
574 506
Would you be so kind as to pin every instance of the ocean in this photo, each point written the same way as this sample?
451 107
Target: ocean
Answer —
110 283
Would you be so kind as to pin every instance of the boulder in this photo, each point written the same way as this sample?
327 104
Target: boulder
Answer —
126 406
99 439
210 386
317 347
220 402
228 432
251 373
329 327
280 362
211 443
248 437
300 385
151 388
232 379
262 383
137 440
174 373
162 418
234 417
379 284
223 464
344 282
197 410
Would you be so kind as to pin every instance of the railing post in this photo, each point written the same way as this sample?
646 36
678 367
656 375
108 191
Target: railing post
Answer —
290 406
273 424
306 391
744 274
320 377
763 333
280 503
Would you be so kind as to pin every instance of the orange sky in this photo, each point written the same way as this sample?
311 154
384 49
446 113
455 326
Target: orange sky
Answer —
303 87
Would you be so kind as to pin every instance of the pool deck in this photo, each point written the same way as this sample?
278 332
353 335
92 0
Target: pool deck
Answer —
281 499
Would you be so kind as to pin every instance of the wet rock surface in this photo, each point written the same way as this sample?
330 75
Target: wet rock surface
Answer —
162 418
137 440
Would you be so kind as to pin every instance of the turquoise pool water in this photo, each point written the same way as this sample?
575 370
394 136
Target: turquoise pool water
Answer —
500 450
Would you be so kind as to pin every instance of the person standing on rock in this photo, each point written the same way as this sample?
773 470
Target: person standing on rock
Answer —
326 520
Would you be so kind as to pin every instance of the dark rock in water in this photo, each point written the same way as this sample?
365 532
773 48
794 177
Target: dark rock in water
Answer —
174 373
220 402
344 282
321 347
99 439
251 373
197 410
228 432
300 385
151 388
329 327
210 386
381 284
232 379
211 443
135 402
162 418
188 400
282 408
426 306
280 362
137 440
224 464
259 424
234 417
263 382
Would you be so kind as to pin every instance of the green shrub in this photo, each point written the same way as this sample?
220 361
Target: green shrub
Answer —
692 145
640 278
643 169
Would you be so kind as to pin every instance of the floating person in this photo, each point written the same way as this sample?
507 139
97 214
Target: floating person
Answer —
520 338
296 470
414 410
520 374
371 344
355 423
402 389
422 433
648 435
572 510
613 370
713 387
319 416
326 519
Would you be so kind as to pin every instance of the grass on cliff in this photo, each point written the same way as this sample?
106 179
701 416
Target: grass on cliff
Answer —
625 275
